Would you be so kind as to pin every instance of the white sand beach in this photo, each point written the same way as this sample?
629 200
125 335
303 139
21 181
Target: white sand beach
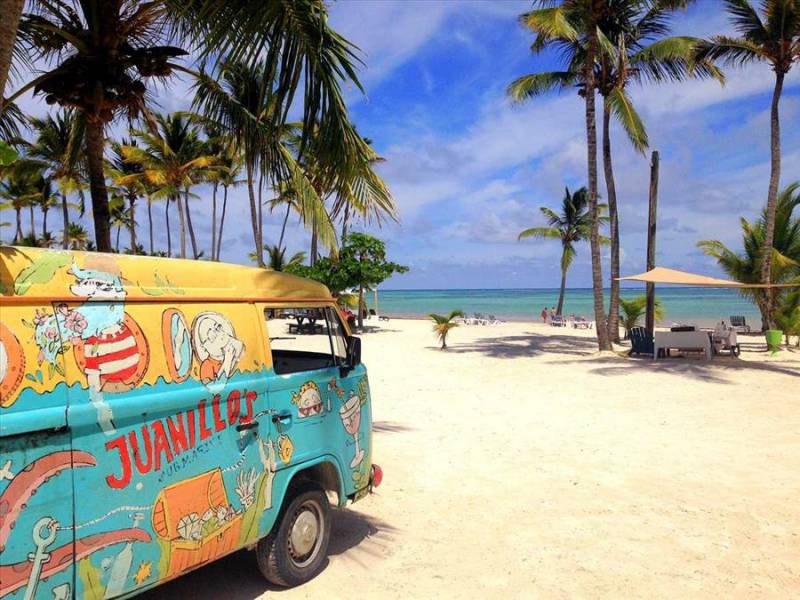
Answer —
521 464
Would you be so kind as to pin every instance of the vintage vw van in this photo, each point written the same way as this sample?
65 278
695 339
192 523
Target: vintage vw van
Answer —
157 414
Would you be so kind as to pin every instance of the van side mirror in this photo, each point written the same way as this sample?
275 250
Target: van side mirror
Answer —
353 354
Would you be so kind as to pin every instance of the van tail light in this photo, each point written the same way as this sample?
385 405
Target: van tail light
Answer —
376 477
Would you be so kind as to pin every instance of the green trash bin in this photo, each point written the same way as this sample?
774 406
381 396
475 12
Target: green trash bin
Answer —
774 338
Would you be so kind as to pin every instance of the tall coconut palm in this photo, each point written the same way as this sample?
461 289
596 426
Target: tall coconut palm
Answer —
44 199
227 169
562 27
59 145
571 226
746 267
104 51
125 175
171 160
241 100
629 46
772 37
120 216
276 258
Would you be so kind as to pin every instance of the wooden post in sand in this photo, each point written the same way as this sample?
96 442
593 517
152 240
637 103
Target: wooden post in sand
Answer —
650 314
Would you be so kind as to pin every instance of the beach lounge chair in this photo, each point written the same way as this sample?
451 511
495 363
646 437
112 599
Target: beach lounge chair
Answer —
582 323
558 321
739 325
641 341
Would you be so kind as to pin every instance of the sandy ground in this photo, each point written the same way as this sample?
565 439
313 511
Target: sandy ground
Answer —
521 464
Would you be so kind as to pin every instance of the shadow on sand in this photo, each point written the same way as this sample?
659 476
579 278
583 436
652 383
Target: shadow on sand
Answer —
236 577
390 427
528 344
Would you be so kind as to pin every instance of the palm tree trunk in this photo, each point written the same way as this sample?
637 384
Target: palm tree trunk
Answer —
44 221
261 206
254 217
10 14
181 225
95 142
285 221
560 306
594 238
169 234
222 220
132 204
116 246
33 229
18 232
214 220
314 245
192 237
65 217
613 216
772 200
345 219
150 221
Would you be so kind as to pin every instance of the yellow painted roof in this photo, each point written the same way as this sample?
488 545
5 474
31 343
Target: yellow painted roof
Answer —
51 275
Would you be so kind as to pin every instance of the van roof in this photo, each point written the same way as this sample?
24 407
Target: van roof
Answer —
51 275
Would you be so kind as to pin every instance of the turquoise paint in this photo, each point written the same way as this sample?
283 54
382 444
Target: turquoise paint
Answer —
122 513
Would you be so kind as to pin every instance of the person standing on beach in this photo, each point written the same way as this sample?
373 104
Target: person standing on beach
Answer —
544 315
552 312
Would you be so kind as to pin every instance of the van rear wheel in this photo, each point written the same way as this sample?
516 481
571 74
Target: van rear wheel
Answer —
295 550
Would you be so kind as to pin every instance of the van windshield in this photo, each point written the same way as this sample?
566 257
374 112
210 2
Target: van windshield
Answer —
304 339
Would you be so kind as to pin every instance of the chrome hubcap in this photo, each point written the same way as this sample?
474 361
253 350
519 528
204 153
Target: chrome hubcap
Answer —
304 534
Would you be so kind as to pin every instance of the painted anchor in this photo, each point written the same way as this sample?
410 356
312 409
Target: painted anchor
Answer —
41 565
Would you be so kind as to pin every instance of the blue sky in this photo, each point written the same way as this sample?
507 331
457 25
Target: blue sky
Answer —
469 170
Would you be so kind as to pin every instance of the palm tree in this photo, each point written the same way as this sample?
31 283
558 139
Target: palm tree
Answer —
634 309
120 216
773 38
16 190
44 199
78 237
571 226
561 27
276 258
172 161
103 52
240 100
442 324
227 169
746 267
120 171
59 145
627 42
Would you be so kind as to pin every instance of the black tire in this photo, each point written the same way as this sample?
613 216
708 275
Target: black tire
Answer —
278 559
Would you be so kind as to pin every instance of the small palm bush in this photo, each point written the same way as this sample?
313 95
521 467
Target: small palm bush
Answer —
633 310
442 324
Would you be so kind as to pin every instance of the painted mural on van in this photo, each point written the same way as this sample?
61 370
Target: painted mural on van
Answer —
151 404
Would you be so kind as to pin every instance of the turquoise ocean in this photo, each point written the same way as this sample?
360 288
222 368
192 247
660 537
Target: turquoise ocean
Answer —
700 306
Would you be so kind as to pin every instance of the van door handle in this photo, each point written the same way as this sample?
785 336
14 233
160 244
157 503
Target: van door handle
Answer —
247 426
281 417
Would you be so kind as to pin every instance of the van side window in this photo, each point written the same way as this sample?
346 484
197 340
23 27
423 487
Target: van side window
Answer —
304 339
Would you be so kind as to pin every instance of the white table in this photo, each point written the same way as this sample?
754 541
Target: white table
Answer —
682 340
725 339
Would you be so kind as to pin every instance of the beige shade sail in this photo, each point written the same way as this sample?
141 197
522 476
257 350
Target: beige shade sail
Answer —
674 277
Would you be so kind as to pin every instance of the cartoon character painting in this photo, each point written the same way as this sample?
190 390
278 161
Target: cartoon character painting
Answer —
217 348
109 346
350 413
308 400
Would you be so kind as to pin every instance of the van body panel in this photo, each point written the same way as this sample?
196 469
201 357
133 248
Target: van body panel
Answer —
137 401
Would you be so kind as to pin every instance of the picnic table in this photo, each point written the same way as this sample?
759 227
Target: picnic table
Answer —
306 322
682 340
